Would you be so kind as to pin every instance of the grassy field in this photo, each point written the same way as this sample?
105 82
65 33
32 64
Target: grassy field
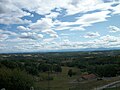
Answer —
62 81
116 88
92 84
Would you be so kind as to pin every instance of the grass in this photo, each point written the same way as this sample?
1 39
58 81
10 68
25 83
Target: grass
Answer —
62 81
94 84
116 87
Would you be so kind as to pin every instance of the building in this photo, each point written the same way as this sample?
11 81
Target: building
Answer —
88 76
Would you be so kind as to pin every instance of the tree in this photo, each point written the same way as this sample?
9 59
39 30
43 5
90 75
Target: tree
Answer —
31 68
15 79
9 64
44 67
107 70
70 73
57 68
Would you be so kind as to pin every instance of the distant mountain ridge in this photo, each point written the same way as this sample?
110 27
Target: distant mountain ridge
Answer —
70 50
89 49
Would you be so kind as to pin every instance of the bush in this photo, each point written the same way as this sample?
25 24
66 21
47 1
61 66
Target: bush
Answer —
15 79
9 64
31 68
107 70
57 68
70 73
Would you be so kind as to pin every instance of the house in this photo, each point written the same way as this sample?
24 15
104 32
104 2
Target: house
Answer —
88 76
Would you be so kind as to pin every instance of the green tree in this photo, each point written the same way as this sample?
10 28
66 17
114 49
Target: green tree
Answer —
15 79
70 73
9 64
107 70
44 67
31 68
57 68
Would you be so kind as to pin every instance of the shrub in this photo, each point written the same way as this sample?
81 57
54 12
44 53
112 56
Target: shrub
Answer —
15 79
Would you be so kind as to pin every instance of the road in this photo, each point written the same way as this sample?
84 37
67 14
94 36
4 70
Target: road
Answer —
107 86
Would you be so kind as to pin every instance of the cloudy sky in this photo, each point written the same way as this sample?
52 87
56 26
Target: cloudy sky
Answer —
41 25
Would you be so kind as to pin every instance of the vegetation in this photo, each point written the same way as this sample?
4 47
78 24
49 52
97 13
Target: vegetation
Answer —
70 73
15 79
44 70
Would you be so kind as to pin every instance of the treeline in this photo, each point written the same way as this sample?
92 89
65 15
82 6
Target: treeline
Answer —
106 66
15 79
33 68
21 75
107 70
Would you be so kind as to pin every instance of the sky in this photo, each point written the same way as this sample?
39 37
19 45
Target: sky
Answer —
43 25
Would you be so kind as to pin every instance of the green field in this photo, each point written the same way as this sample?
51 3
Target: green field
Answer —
116 88
62 81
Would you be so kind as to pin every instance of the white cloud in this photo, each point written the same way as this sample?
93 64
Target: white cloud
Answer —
3 37
40 36
54 35
49 44
49 31
13 20
52 15
83 21
43 24
72 6
93 18
84 13
30 35
79 28
4 34
81 6
14 8
22 28
48 39
40 6
63 34
7 32
45 7
92 35
102 42
114 29
106 41
9 9
109 38
11 14
116 9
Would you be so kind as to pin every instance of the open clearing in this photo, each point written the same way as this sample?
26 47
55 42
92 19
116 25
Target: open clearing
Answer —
62 81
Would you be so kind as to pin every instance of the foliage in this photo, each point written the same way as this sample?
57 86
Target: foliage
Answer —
31 68
15 79
57 68
107 70
70 73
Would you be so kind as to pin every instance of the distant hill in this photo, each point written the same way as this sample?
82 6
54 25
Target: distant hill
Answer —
70 50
